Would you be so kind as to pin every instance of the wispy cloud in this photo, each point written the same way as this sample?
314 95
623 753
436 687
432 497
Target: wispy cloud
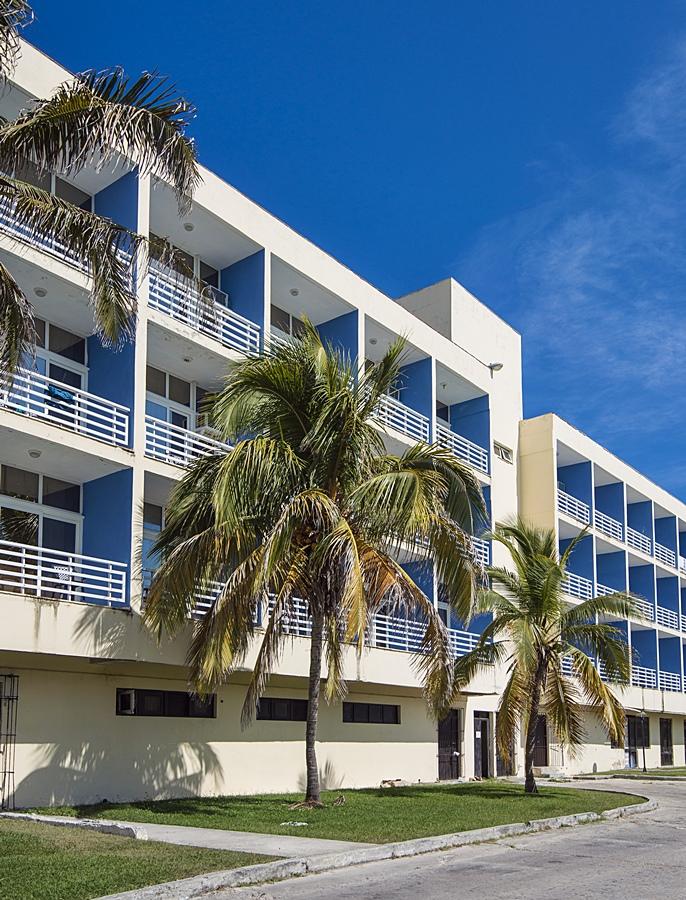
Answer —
594 277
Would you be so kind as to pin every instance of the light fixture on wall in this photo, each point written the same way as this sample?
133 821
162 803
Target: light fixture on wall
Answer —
188 226
40 292
294 292
495 367
444 385
373 342
35 454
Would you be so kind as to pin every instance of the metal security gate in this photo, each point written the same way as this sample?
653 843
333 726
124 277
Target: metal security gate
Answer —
9 698
449 746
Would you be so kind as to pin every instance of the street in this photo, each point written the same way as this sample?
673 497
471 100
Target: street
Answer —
642 856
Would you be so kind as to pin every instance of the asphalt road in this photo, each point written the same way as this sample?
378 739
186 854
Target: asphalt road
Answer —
643 857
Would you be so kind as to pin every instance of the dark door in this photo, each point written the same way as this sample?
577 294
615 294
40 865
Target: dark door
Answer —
448 746
631 742
482 745
666 745
541 746
504 766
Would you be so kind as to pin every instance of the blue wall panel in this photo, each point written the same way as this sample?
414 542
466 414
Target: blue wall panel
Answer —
609 498
669 655
611 569
342 333
581 560
665 532
244 283
641 581
640 517
644 645
107 514
668 593
119 201
471 419
577 481
415 386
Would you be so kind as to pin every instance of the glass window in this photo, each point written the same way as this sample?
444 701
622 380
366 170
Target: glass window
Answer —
179 391
156 381
209 274
66 376
72 194
156 410
152 516
443 411
39 325
202 707
18 483
178 419
200 394
149 703
67 344
297 326
281 319
28 171
59 535
18 526
61 494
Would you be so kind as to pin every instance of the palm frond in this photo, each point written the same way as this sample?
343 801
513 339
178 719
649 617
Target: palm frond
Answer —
17 333
14 15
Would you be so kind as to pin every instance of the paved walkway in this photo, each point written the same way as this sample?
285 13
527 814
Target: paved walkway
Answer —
244 841
642 856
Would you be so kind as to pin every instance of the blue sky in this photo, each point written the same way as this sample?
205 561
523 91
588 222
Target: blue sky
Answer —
534 151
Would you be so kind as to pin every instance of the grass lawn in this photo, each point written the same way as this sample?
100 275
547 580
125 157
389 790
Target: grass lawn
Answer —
665 771
43 862
374 815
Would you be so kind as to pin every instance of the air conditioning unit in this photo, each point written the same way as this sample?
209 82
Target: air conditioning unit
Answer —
126 702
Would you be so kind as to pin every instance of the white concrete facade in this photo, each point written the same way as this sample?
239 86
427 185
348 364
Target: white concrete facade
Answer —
84 493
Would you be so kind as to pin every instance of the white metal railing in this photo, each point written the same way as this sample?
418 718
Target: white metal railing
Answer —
665 555
397 415
175 445
482 551
682 564
570 506
667 617
9 224
567 665
466 450
611 527
57 575
171 294
637 540
577 586
35 395
644 608
643 677
669 681
203 600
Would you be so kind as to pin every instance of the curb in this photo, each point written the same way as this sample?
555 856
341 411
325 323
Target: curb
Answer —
200 885
101 825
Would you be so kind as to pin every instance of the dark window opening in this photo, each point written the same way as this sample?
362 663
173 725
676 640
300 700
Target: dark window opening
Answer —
372 713
170 704
282 709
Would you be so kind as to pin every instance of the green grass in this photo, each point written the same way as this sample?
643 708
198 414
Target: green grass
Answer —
43 862
665 771
374 816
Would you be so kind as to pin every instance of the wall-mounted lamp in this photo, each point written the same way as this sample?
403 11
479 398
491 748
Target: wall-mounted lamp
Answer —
495 367
188 226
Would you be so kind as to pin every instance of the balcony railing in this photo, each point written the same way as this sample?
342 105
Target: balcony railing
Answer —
9 225
171 294
609 526
402 418
644 607
665 555
670 681
638 541
203 601
667 617
482 551
577 586
56 575
682 564
643 677
175 445
573 507
37 396
464 449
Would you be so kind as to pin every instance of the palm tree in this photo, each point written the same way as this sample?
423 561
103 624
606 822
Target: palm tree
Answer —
538 629
94 119
310 506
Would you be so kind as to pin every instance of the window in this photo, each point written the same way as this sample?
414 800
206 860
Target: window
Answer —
18 483
61 355
39 510
286 322
372 713
503 452
180 397
443 411
72 194
61 494
282 709
169 704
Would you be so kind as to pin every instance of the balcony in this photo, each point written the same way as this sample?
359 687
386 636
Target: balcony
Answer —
464 449
665 555
402 418
670 681
638 541
482 551
642 677
177 446
667 617
608 526
577 586
10 226
682 564
56 575
39 397
203 602
181 300
644 607
575 509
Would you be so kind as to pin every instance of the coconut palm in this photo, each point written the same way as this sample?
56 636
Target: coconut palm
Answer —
310 506
96 119
533 629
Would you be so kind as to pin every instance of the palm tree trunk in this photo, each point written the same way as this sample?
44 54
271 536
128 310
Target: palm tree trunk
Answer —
316 643
529 781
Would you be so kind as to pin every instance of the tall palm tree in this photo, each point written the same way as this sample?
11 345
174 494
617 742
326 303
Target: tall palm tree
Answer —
95 119
310 506
533 629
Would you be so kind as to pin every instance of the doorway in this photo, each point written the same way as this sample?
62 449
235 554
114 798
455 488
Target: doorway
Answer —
666 743
504 766
636 738
541 744
482 745
449 766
